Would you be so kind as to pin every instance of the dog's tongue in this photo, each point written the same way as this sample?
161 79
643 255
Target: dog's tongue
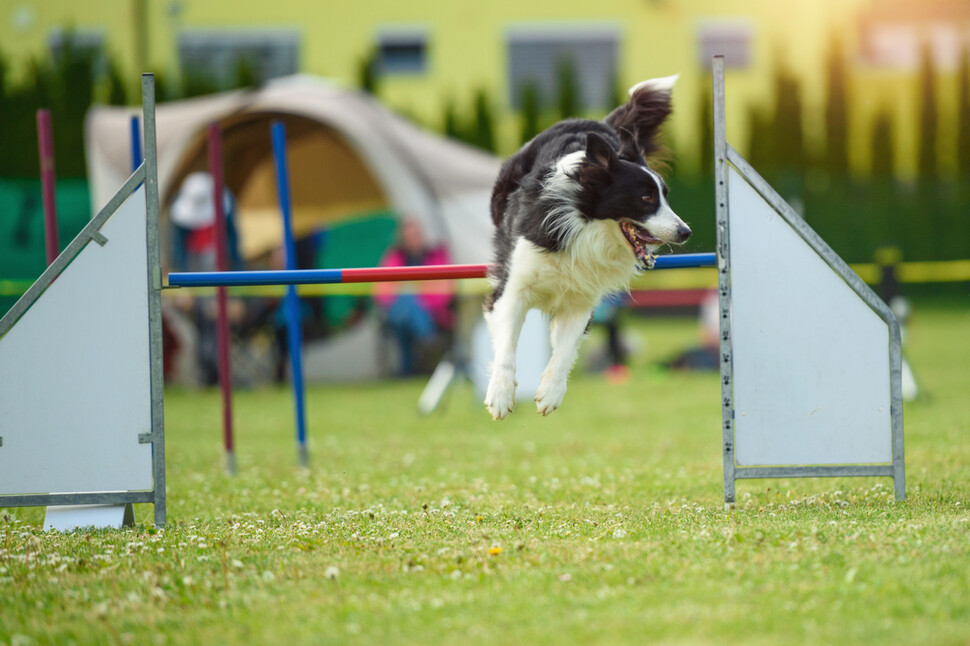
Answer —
640 241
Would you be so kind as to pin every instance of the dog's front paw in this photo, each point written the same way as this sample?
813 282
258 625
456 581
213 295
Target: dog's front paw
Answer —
500 398
549 396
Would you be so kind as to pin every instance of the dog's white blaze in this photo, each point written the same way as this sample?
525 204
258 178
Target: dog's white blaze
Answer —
664 84
664 224
566 164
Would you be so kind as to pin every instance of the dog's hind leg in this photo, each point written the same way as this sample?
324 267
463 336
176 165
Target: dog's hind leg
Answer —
567 331
505 323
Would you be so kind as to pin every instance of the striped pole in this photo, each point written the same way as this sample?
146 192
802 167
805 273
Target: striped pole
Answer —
291 304
48 182
381 274
222 309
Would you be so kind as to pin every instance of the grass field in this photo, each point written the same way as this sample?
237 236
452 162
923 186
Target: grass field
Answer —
602 524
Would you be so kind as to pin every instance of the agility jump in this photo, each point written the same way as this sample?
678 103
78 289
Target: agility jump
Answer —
801 396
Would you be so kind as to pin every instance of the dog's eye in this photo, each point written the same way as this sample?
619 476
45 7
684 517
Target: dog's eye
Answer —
650 199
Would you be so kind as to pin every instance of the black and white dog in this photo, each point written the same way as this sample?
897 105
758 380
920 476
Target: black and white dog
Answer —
577 213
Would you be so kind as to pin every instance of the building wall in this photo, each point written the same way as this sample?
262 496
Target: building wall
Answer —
467 50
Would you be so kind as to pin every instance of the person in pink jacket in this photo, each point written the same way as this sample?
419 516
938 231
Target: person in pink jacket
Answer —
416 313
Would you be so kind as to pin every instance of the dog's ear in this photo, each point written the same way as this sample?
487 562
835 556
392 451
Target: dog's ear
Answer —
628 147
599 152
648 107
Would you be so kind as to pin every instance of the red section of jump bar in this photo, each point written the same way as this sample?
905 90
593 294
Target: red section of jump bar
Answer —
374 274
670 297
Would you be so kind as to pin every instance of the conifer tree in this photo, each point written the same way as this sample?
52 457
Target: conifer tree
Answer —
568 90
367 77
116 85
836 111
883 157
927 118
963 115
529 102
615 93
450 126
789 148
705 150
759 146
483 132
73 84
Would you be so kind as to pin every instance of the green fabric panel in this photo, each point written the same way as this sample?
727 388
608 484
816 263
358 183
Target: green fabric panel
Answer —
22 254
357 243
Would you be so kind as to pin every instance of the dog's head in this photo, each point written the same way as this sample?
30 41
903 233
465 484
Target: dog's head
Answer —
618 185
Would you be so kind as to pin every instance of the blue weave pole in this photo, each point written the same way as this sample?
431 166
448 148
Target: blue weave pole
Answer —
136 156
376 274
291 304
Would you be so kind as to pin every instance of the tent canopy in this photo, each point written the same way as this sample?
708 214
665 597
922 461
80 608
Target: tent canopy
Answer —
347 156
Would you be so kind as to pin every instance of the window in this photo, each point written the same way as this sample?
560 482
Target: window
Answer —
402 51
536 56
731 39
895 33
900 45
219 57
79 44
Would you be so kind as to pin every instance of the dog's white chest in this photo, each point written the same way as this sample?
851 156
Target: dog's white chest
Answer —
597 262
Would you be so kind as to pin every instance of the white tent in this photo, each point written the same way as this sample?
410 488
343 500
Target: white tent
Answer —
347 155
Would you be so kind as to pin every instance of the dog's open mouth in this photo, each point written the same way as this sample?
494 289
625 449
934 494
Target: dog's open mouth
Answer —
640 240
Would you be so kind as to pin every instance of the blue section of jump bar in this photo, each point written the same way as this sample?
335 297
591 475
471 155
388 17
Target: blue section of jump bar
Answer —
686 260
332 276
270 277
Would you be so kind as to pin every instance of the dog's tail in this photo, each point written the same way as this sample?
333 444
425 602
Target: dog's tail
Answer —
648 107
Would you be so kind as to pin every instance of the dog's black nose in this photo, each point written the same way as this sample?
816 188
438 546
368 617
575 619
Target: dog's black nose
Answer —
683 232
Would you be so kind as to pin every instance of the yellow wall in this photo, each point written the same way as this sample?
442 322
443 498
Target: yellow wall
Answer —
467 51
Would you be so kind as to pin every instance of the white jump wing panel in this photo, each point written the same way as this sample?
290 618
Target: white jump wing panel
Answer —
811 358
75 388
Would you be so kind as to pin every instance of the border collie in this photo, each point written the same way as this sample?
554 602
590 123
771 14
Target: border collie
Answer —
577 213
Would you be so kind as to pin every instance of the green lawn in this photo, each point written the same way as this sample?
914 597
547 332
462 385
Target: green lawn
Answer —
603 523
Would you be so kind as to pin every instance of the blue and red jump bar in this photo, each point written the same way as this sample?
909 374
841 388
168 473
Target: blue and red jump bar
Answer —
377 274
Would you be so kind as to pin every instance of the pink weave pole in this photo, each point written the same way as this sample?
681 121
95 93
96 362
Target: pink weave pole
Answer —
48 181
222 311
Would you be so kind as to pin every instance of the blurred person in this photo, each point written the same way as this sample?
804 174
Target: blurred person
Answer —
705 356
310 310
193 219
888 260
418 320
607 314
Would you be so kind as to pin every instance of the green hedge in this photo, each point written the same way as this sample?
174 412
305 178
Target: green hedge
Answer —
855 218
